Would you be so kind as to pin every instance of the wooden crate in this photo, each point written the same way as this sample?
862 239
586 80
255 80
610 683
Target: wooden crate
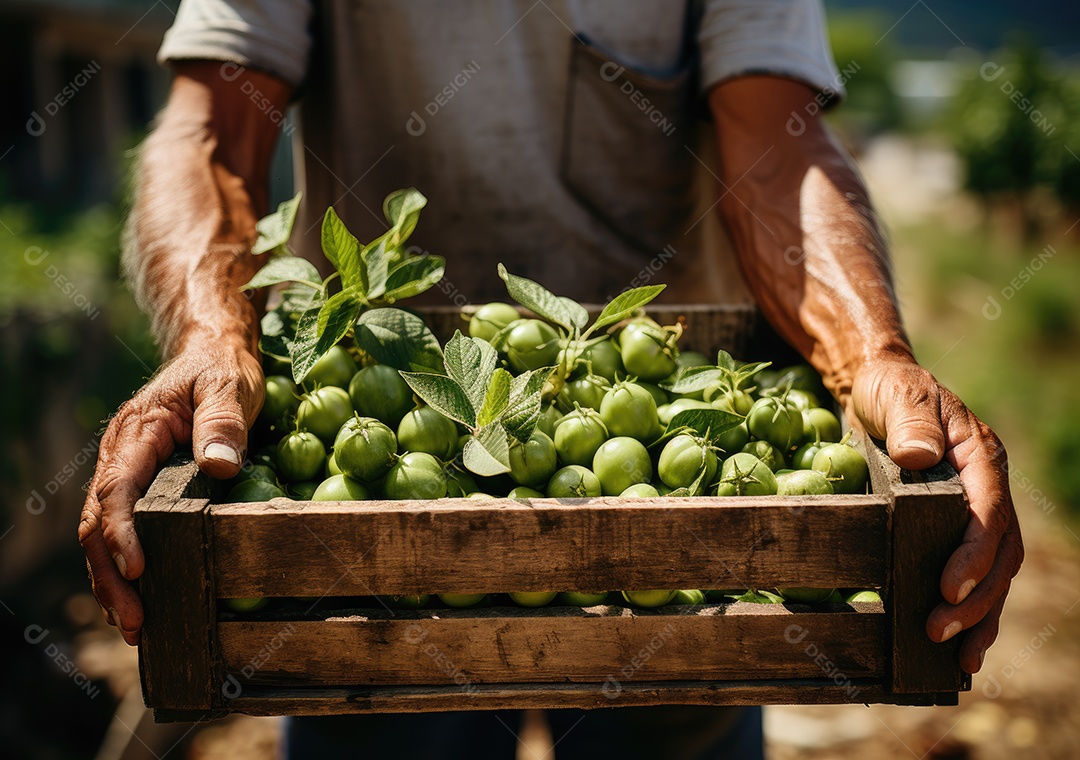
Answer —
341 655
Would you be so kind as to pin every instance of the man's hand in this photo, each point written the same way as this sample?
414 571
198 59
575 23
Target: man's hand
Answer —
206 397
901 403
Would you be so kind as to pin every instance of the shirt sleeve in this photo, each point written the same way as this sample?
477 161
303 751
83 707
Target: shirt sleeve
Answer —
268 35
784 38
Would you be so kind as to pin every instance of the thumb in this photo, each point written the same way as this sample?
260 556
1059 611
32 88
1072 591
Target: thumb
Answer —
913 428
220 426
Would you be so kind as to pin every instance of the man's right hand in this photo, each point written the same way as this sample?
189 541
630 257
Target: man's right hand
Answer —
206 397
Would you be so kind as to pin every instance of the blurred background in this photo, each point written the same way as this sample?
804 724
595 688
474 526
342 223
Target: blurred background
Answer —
966 120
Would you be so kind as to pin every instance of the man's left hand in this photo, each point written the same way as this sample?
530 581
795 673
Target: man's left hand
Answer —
921 421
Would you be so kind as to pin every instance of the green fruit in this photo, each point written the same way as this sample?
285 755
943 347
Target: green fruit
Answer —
650 598
533 462
692 359
770 419
365 448
523 492
620 463
843 466
331 466
341 488
303 491
803 458
648 351
549 420
281 400
334 368
823 425
533 598
531 345
579 435
629 410
256 472
428 431
380 392
247 604
586 392
746 475
604 359
689 596
864 596
300 456
684 459
254 490
461 600
324 411
658 393
737 402
641 491
732 440
490 318
459 483
767 453
573 481
415 475
801 483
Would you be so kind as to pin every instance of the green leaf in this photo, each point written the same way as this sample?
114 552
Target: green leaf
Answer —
376 266
414 276
442 394
400 339
342 250
402 209
470 362
709 423
276 346
272 324
338 314
276 228
724 360
625 304
496 398
283 269
526 402
537 298
690 379
299 298
482 460
304 344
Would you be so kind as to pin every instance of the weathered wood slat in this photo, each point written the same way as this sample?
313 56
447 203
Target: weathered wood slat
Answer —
928 523
358 548
394 699
601 644
177 653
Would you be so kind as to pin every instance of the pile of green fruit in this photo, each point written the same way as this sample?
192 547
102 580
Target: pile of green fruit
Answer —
363 403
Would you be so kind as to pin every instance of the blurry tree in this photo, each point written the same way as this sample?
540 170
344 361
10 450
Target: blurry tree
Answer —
865 60
1010 123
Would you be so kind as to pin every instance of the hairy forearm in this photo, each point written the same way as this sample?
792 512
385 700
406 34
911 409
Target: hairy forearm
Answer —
199 189
811 249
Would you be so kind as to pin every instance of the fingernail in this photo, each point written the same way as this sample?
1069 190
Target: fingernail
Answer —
918 443
107 614
121 563
951 630
113 618
982 656
965 590
222 452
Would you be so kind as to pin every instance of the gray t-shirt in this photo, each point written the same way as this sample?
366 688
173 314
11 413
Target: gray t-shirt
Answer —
565 138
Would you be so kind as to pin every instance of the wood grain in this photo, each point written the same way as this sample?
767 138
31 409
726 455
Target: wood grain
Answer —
177 651
463 545
602 644
928 523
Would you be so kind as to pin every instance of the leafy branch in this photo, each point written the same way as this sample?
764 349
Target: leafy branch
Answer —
309 320
495 406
